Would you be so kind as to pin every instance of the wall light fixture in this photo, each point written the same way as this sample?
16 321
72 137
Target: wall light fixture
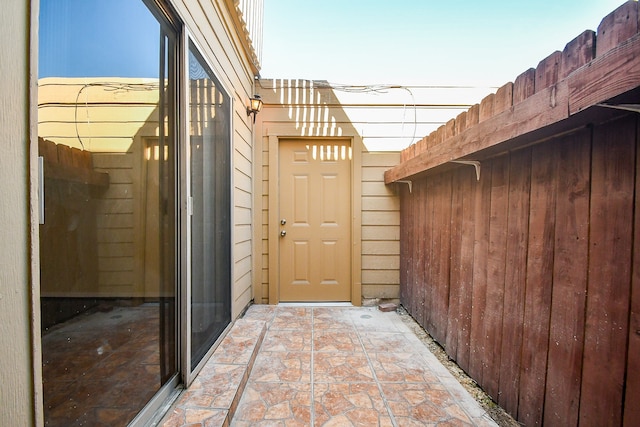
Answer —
254 107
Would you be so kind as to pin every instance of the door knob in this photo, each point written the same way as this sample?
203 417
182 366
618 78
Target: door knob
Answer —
283 233
283 221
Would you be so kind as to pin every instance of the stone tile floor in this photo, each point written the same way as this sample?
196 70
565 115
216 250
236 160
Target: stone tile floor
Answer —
329 366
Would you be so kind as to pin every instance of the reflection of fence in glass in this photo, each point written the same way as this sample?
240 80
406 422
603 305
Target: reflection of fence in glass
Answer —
117 122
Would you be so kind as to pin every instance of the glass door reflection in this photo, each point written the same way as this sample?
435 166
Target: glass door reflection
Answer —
210 159
106 114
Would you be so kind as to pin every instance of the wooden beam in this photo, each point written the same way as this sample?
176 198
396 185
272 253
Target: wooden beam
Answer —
541 109
607 76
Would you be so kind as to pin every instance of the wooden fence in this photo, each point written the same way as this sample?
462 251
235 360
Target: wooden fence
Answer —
525 276
529 276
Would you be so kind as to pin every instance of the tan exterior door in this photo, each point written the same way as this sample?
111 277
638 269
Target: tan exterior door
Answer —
315 220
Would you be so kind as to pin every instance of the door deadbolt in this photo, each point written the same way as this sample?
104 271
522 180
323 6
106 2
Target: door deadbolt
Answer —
283 221
283 233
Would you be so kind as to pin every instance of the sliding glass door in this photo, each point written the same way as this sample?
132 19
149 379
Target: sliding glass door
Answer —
210 195
117 249
107 139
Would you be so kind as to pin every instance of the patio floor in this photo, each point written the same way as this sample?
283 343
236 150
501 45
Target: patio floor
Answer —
324 366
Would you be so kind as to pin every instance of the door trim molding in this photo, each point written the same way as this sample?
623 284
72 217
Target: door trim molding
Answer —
356 213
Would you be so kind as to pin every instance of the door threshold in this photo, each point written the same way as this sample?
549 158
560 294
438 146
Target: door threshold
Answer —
315 304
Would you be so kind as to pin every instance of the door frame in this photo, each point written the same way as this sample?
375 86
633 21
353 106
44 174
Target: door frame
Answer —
356 212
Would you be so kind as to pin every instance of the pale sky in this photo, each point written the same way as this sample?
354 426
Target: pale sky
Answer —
427 42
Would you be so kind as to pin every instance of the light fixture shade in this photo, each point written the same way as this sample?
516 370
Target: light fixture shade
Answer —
256 104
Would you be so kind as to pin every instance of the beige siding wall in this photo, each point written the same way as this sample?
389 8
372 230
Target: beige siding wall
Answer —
381 120
380 228
299 109
16 376
385 117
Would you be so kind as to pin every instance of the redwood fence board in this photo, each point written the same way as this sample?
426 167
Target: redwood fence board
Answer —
632 391
569 281
606 332
428 272
496 264
539 265
515 278
418 264
442 217
482 199
454 321
468 188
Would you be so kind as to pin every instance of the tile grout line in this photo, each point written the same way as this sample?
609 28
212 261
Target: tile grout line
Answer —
377 381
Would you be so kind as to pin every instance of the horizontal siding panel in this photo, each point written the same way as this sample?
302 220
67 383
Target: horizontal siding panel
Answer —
381 262
380 204
387 159
88 131
111 161
115 290
242 267
380 232
377 189
380 248
381 277
241 180
391 144
118 191
242 164
242 144
108 278
242 198
242 233
116 263
120 176
96 113
115 221
117 235
357 115
312 127
310 92
111 250
381 218
242 216
242 249
375 174
115 206
59 90
96 145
